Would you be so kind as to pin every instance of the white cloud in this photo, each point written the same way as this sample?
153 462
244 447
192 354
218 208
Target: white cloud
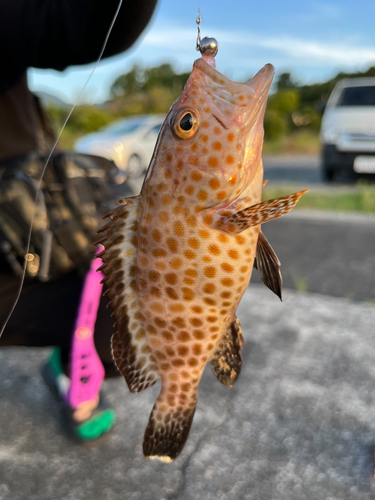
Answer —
241 54
324 52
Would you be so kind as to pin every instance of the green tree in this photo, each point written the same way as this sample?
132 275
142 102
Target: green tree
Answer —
84 119
129 83
275 125
143 80
284 102
280 108
285 81
164 76
152 90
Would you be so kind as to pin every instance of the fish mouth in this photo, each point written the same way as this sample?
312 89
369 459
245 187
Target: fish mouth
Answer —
234 103
237 107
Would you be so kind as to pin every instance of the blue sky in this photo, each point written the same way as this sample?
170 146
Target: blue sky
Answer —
312 39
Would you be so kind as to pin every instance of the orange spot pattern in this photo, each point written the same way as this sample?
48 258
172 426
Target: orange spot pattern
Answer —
190 275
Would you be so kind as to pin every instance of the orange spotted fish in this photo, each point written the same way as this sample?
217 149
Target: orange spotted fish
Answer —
179 256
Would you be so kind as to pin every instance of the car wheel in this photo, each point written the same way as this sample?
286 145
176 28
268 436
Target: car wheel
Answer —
328 173
134 168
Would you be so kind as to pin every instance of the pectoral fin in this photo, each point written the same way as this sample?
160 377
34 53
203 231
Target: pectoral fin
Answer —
268 265
258 214
226 361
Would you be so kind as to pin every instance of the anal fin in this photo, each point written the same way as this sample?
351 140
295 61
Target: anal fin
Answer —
257 214
268 265
226 361
130 351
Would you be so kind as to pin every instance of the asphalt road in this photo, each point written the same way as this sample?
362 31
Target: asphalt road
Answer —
305 169
320 252
325 253
292 169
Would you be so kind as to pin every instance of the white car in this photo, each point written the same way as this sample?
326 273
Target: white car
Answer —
348 129
129 142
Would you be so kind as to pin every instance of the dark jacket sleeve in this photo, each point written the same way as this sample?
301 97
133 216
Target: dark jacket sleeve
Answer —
59 33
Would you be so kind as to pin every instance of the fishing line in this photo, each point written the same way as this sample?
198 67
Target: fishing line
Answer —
46 164
198 22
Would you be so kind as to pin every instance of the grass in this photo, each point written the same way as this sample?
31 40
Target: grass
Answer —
301 142
300 283
361 198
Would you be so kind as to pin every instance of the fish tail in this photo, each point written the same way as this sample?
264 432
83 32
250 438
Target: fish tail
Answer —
169 426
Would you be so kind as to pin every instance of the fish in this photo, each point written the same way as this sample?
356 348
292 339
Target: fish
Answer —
179 256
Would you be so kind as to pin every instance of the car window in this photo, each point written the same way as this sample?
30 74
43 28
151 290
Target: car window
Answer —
357 96
122 128
153 132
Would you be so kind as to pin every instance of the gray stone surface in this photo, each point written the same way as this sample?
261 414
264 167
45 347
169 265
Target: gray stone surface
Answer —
298 424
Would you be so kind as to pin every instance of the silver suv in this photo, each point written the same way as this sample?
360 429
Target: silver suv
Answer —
348 129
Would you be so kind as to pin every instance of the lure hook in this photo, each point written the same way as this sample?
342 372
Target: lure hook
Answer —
208 46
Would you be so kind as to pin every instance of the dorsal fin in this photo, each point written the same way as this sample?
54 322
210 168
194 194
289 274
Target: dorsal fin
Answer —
268 265
226 361
129 347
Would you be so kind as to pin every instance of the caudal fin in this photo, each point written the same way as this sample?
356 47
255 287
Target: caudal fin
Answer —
167 430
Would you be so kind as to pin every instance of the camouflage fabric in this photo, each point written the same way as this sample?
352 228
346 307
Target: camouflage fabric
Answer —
76 192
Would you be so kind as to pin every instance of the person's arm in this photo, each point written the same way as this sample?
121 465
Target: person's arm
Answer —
59 33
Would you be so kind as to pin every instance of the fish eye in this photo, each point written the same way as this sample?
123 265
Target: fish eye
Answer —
185 123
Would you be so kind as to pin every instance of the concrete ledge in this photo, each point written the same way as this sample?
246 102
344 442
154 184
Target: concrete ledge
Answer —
298 424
